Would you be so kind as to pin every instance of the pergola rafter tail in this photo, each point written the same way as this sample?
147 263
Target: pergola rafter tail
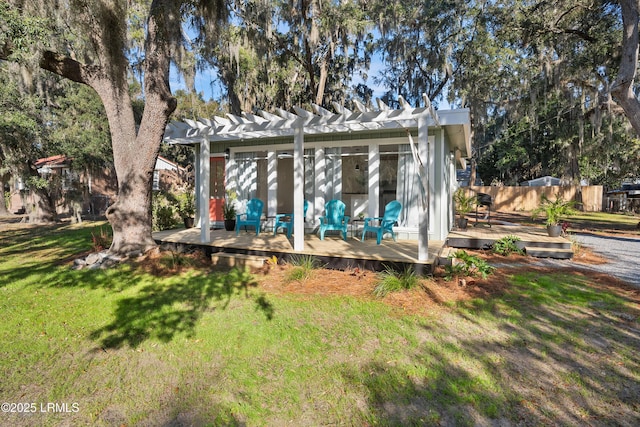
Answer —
283 123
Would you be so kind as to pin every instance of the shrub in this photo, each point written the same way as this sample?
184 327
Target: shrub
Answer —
186 202
303 267
506 246
467 266
554 209
163 211
391 280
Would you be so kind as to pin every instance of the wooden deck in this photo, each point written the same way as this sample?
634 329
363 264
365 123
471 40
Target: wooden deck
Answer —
333 251
533 240
337 253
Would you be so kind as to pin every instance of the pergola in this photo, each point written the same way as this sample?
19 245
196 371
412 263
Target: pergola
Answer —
285 125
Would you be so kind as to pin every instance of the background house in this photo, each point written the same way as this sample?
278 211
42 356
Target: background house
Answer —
544 181
93 189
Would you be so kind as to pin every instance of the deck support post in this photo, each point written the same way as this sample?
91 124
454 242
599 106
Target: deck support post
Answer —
196 184
423 153
298 188
203 190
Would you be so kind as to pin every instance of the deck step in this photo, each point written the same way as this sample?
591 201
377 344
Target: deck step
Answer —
443 257
557 253
242 261
559 243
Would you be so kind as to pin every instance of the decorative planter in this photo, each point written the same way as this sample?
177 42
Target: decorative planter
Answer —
554 230
229 224
188 222
462 223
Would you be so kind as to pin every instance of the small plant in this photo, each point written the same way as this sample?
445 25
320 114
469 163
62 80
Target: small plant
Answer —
303 267
186 203
270 263
101 240
175 260
464 203
229 210
393 281
506 246
554 209
464 264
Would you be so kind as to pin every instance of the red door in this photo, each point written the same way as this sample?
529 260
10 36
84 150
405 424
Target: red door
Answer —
216 188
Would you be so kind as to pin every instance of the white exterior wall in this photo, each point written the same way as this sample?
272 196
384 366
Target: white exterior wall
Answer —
440 170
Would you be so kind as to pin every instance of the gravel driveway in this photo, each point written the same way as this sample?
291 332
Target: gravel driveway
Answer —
622 252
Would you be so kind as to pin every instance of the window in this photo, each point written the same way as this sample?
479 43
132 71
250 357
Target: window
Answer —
156 180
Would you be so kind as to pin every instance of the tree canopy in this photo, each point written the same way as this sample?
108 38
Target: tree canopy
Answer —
550 85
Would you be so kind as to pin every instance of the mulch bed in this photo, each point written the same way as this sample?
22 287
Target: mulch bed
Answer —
434 294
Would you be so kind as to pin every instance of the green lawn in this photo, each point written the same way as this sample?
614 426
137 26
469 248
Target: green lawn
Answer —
588 221
128 347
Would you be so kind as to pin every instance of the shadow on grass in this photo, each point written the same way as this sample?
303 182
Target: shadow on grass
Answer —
555 350
173 306
156 306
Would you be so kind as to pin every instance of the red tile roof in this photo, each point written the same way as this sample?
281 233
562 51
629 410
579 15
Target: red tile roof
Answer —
51 161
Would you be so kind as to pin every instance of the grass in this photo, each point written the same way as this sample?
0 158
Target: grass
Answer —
391 280
603 221
304 267
202 347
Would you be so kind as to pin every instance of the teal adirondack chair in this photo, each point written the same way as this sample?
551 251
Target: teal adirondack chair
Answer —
334 218
281 222
384 224
252 216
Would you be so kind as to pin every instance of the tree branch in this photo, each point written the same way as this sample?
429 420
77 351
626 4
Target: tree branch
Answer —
64 66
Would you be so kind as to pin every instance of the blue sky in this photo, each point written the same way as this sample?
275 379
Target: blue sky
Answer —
208 83
210 91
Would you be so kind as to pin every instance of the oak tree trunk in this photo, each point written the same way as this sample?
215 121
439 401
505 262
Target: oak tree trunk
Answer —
4 209
134 156
622 88
134 153
134 159
43 210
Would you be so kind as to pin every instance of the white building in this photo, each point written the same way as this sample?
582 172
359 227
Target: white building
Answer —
365 158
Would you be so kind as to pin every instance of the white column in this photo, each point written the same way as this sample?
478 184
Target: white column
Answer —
205 172
298 188
272 183
374 180
423 152
320 186
197 179
438 202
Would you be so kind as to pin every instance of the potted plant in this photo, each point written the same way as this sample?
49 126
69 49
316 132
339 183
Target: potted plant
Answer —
464 204
187 206
229 214
553 211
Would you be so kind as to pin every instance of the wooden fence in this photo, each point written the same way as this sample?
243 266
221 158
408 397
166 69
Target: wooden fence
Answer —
588 198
